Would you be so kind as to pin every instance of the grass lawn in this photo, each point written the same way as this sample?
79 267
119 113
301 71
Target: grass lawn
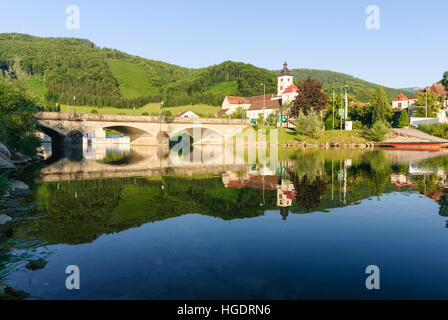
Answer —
150 108
341 136
286 135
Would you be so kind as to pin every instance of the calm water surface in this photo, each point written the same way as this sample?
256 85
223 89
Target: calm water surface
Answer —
142 226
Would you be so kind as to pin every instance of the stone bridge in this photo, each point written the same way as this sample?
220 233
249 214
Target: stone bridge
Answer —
68 128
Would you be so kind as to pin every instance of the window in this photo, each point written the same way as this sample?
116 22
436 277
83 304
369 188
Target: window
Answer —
281 79
399 105
281 87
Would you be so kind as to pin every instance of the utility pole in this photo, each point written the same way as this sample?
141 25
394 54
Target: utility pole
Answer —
161 107
333 108
341 106
264 98
74 105
426 102
346 108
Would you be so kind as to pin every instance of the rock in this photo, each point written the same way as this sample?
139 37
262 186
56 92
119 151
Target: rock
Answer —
17 185
5 150
6 163
5 223
36 264
11 294
3 286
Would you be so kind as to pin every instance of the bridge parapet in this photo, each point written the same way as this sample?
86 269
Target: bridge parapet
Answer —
60 116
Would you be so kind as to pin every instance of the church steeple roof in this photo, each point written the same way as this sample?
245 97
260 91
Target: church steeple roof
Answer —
285 71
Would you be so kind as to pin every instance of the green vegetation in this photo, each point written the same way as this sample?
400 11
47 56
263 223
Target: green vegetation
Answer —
435 102
56 69
378 131
310 98
340 136
133 79
17 122
404 119
151 109
309 125
380 106
435 129
361 89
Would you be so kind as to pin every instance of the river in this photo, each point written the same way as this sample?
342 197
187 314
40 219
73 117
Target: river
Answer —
141 224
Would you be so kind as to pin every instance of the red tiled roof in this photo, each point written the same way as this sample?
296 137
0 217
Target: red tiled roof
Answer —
221 112
261 98
182 113
269 104
401 97
255 182
291 88
237 100
437 88
249 100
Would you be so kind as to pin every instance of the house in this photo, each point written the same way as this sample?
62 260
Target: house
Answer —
187 114
400 102
262 107
436 88
440 90
266 104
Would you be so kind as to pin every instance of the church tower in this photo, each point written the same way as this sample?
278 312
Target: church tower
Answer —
284 80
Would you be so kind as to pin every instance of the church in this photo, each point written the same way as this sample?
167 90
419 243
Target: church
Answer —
265 104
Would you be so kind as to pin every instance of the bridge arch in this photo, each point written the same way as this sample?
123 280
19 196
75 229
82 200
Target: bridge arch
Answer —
135 134
207 135
57 137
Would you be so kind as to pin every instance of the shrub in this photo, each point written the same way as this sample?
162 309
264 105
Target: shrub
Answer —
378 131
309 125
145 114
94 111
329 123
404 119
435 129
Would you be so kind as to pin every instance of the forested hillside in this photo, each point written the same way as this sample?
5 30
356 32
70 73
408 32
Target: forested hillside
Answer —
361 89
56 69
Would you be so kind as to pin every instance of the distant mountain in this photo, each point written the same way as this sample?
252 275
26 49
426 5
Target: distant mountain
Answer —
413 89
56 69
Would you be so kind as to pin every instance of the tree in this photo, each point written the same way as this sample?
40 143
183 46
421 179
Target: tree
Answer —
310 98
435 102
445 80
380 106
17 121
404 119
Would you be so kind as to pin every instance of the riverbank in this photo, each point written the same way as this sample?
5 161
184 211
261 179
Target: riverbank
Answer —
330 138
12 194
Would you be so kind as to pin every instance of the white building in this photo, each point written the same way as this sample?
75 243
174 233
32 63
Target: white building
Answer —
266 104
188 114
400 102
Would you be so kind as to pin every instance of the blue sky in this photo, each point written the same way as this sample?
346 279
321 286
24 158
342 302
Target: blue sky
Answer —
409 49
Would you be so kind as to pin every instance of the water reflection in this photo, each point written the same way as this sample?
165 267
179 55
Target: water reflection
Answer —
119 189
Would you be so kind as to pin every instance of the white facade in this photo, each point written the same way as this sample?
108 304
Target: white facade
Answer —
283 82
402 104
233 106
254 114
188 114
289 97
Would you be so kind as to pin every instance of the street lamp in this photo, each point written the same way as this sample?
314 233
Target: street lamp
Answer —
264 98
74 104
161 108
333 108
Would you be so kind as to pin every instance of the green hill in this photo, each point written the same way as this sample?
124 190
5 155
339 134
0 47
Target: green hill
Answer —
56 69
361 89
